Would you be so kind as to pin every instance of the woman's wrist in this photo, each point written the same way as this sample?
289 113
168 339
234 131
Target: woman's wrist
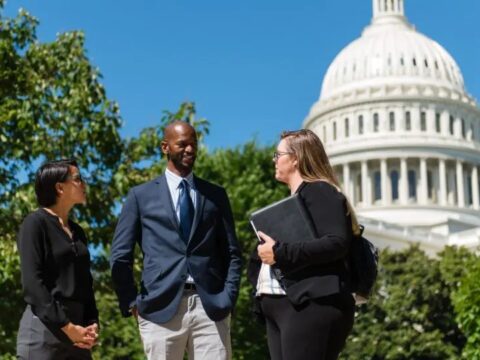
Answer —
67 328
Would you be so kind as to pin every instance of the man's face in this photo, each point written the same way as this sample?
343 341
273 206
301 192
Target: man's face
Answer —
180 145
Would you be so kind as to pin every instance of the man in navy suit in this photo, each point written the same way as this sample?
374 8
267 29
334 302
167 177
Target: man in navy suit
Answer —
191 258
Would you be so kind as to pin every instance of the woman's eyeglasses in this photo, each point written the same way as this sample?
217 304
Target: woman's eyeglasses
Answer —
77 178
277 154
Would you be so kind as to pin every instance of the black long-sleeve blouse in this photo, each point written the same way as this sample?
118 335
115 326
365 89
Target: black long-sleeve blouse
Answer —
315 268
55 269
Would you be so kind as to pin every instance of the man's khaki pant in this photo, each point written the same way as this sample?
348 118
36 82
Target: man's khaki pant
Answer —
191 330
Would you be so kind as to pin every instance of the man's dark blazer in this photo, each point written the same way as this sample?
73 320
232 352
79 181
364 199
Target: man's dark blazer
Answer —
315 268
211 256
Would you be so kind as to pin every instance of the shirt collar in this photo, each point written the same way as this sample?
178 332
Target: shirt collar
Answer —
175 180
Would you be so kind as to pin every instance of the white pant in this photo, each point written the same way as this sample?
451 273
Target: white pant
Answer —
190 329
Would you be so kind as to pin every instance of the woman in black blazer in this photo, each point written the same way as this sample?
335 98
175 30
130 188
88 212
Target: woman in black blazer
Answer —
61 317
303 288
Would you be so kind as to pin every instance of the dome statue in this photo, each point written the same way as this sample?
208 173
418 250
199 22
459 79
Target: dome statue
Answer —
403 135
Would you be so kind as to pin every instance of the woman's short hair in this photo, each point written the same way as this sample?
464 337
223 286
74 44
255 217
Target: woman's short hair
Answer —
47 176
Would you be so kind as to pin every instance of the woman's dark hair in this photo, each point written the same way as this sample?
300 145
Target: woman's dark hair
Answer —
47 176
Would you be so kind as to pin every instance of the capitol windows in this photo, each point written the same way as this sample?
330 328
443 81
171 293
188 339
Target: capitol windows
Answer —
347 128
469 191
423 121
394 184
472 132
392 121
377 184
408 121
437 123
334 130
376 122
463 128
412 185
451 125
360 124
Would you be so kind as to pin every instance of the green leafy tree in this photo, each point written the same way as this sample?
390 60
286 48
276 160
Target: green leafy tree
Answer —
247 173
52 105
141 161
462 267
410 315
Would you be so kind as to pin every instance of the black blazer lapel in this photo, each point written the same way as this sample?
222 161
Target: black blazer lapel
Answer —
198 209
166 198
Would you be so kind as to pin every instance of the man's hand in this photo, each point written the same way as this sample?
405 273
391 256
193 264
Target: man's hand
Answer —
265 251
134 312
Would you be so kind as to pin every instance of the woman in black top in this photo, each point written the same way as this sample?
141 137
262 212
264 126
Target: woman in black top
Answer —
309 308
61 317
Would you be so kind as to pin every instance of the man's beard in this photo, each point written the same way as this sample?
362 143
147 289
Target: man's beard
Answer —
177 160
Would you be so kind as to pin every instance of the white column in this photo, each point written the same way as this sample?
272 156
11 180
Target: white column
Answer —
384 120
415 114
475 186
384 181
403 181
365 192
460 188
423 182
445 123
346 180
375 7
431 120
442 178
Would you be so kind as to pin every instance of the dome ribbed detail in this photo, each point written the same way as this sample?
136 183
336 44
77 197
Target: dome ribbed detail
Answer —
390 51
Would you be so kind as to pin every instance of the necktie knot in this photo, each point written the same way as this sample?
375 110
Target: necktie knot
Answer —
183 185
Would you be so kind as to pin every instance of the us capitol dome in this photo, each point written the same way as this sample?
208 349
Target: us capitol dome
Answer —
403 135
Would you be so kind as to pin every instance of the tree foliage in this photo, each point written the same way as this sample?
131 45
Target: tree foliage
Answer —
411 314
466 301
53 105
247 174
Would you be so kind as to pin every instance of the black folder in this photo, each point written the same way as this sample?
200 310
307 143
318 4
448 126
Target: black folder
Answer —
286 220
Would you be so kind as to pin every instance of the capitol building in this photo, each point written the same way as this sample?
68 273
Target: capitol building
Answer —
403 135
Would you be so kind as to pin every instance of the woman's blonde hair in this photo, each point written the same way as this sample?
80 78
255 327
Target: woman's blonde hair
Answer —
313 163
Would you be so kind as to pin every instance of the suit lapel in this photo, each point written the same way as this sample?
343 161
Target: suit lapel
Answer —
199 208
166 198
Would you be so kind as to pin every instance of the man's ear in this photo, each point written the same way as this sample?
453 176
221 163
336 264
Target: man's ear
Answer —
164 147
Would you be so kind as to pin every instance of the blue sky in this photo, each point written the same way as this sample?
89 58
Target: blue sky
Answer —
253 67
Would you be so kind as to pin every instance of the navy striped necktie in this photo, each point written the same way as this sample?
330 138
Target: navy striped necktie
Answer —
186 210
